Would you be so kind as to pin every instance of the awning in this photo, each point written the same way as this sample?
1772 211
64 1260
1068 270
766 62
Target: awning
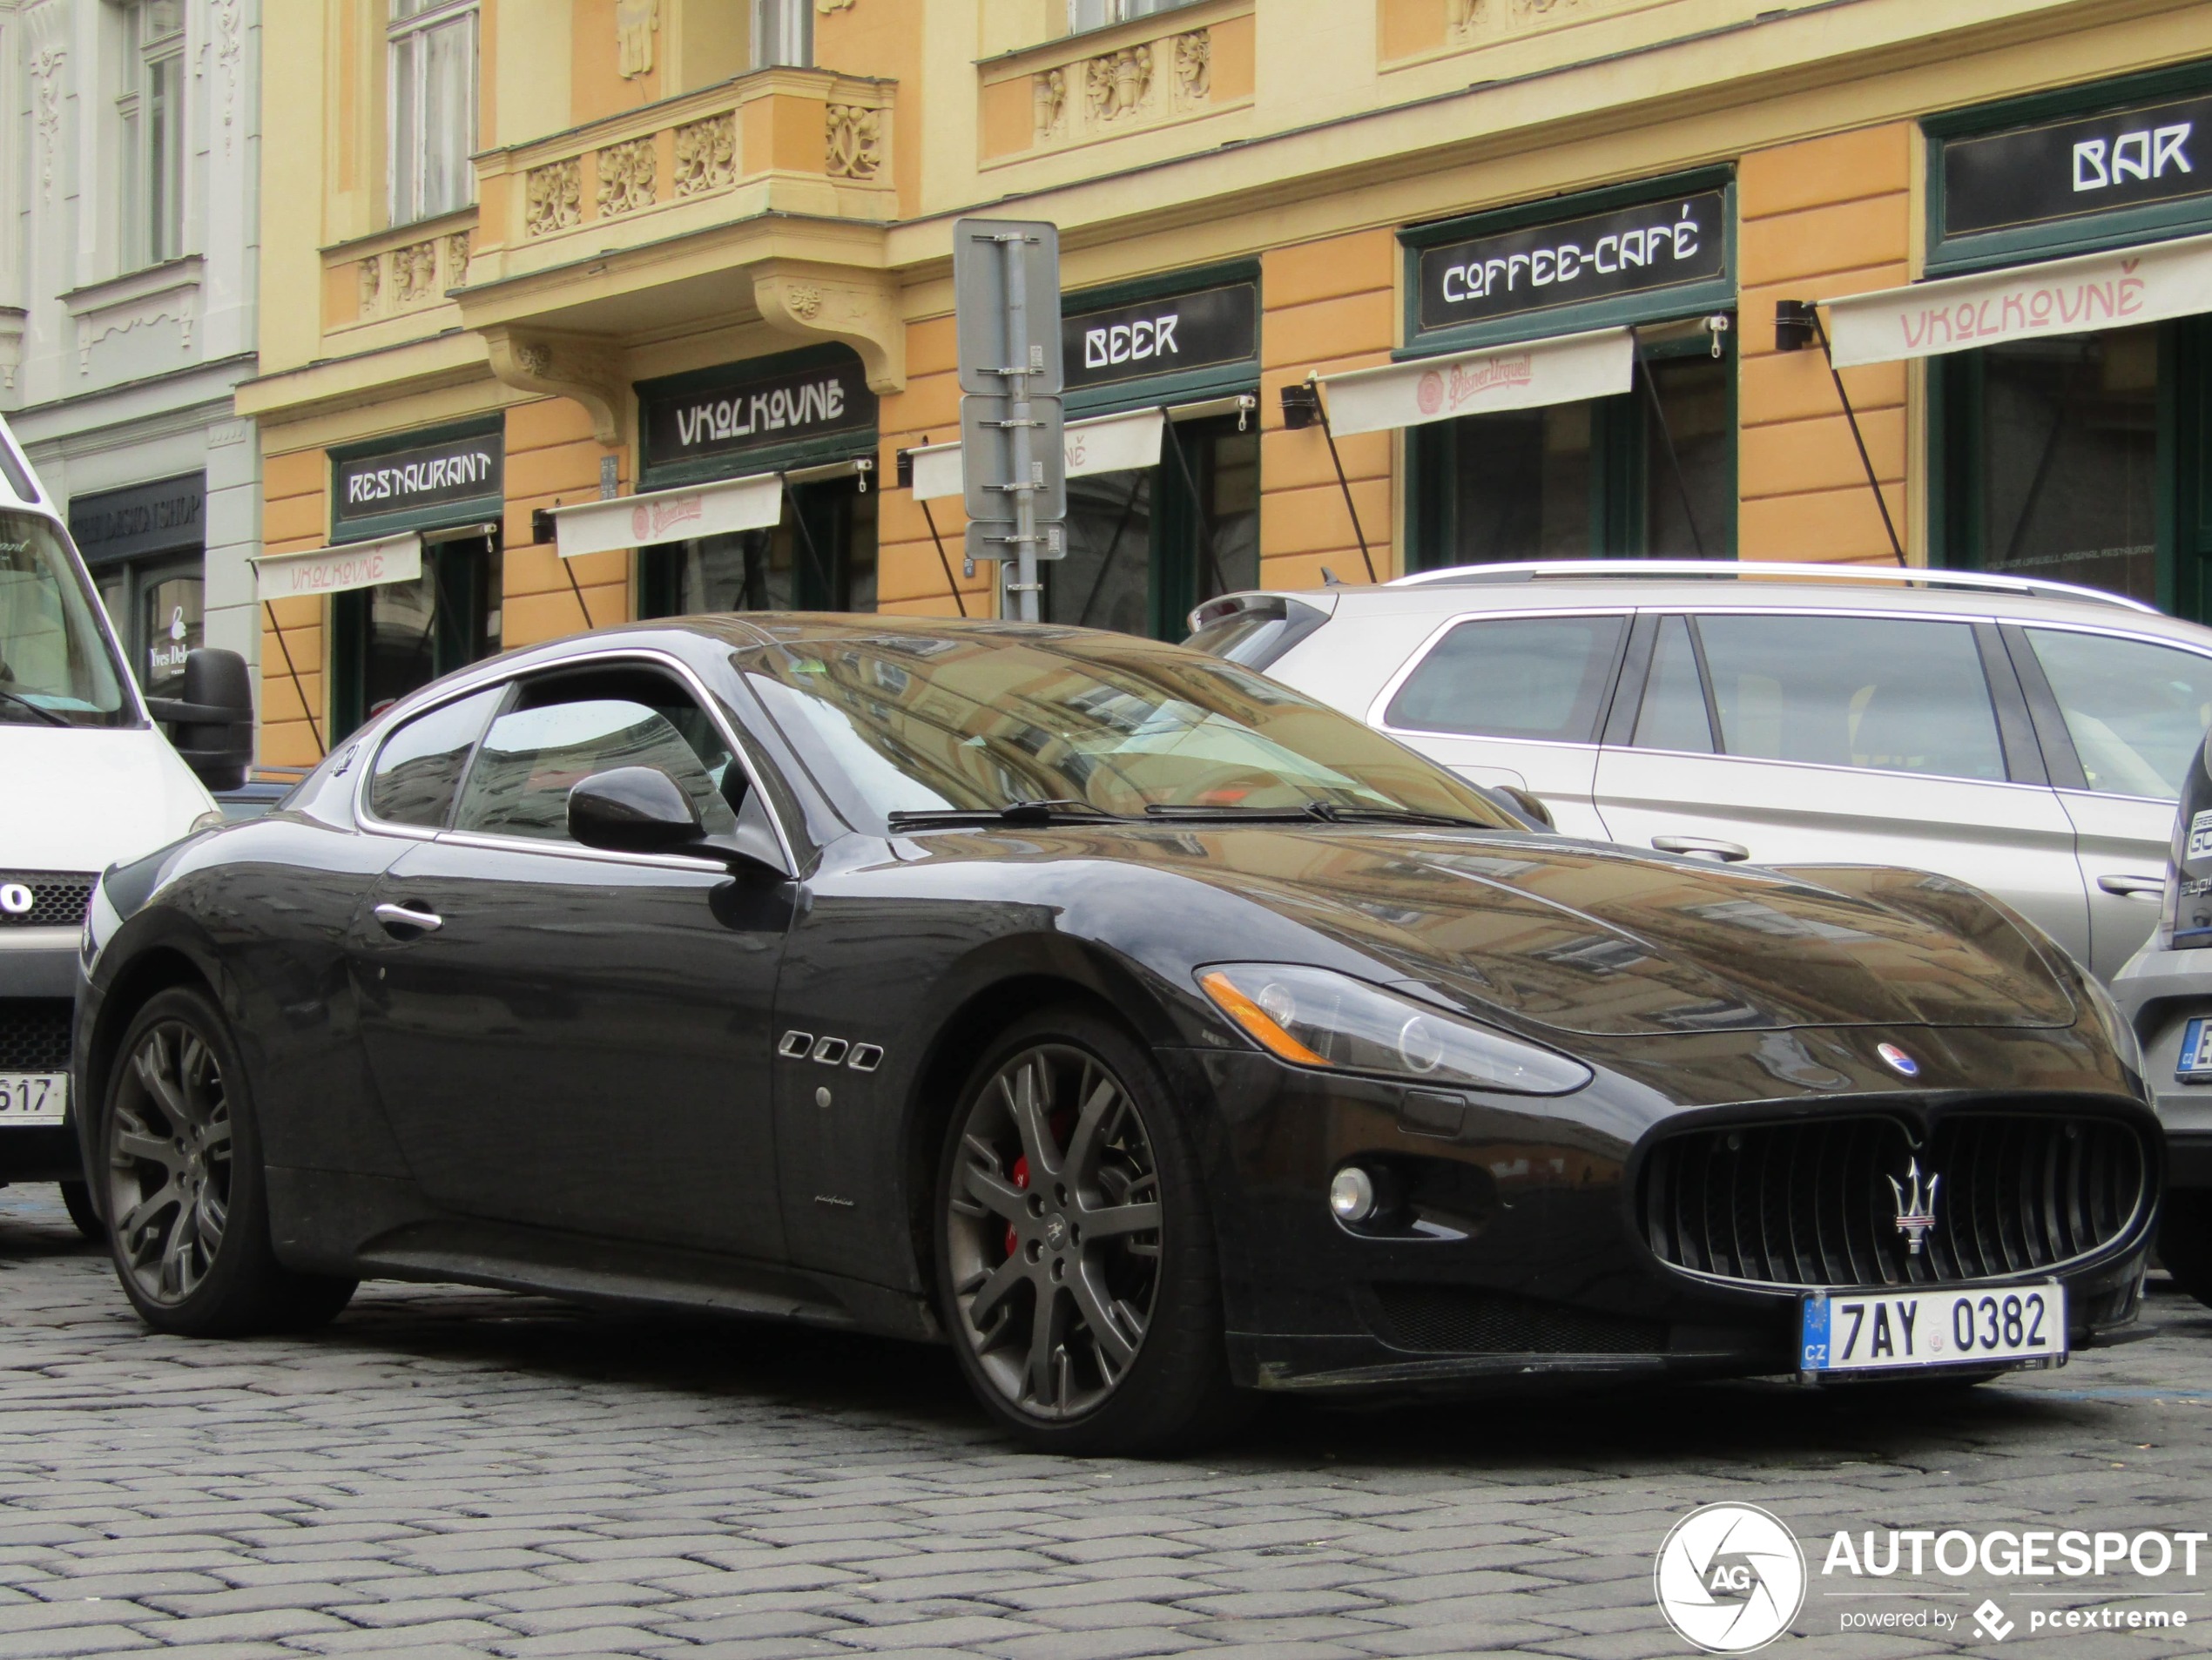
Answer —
334 571
2114 290
1567 368
718 509
1114 443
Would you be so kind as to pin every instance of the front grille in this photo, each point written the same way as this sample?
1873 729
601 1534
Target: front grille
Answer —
34 1033
58 898
1811 1204
1449 1320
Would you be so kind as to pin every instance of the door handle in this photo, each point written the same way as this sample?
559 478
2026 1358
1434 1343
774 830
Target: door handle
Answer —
401 921
2148 888
1725 853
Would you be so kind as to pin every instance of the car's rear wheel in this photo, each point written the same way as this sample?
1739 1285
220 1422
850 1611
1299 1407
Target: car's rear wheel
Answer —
1077 1264
181 1154
2185 1241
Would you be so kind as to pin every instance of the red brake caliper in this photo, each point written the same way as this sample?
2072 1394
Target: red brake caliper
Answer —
1021 1180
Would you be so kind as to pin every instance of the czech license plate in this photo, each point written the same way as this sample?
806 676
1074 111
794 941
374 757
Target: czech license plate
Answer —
2195 1063
33 1097
1879 1332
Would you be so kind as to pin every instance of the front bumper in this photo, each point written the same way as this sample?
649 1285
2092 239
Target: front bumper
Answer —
37 991
1529 1267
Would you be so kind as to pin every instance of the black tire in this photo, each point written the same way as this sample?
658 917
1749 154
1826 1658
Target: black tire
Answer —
2185 1241
1169 1390
76 1198
180 1158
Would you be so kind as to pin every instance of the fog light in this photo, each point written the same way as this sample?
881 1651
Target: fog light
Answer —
1351 1195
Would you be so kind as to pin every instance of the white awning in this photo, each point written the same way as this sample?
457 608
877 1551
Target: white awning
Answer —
1114 443
718 509
1567 368
334 571
2114 290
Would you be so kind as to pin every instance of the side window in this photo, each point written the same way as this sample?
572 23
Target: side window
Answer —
2136 711
420 766
563 728
1674 715
1899 694
1513 677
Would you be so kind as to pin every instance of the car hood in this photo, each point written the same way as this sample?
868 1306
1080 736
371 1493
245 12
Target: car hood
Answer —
1586 938
85 797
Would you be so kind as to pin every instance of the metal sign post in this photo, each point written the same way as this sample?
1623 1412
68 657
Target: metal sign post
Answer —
1006 287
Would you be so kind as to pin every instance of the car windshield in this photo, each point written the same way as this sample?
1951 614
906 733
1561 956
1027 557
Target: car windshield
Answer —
990 718
55 665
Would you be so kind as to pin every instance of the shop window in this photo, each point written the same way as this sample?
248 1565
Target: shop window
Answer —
821 557
1651 474
1146 546
432 69
159 608
152 112
2055 464
389 640
783 32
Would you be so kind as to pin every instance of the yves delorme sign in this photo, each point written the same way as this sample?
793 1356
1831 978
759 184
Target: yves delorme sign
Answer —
1192 331
752 411
1626 251
2063 170
435 474
164 516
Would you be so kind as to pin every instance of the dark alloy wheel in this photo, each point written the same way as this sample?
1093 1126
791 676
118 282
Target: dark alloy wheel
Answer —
1077 1257
184 1187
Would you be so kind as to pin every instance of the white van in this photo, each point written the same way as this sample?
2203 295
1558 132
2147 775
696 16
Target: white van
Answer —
87 780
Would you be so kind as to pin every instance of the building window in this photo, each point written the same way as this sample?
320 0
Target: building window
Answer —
391 639
152 108
1097 14
1651 474
830 566
783 32
433 96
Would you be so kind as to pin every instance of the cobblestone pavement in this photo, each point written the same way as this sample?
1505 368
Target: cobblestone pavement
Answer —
451 1472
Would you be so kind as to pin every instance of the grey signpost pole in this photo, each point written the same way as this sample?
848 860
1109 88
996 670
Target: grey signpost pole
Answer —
1006 297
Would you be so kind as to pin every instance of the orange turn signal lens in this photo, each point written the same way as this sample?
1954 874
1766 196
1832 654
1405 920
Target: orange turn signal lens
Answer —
1257 1022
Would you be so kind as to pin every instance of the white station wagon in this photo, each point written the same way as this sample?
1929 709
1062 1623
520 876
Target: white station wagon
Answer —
2024 736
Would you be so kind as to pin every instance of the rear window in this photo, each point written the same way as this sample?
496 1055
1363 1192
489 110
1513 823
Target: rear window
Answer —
1515 677
2136 711
1255 634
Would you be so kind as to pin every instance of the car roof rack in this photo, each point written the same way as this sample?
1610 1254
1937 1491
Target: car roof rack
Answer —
1738 569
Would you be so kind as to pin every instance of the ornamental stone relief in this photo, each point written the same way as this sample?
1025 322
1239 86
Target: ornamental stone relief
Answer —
1121 89
706 154
555 199
459 247
414 273
1116 84
1475 22
855 141
635 20
413 276
1193 68
627 178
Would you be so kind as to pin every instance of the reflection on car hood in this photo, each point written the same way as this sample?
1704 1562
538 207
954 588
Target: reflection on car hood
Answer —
1595 939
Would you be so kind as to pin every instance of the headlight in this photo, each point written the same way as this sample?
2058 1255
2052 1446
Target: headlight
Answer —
1318 1018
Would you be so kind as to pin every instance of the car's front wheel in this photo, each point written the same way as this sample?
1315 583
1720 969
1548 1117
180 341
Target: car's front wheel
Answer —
181 1154
1076 1263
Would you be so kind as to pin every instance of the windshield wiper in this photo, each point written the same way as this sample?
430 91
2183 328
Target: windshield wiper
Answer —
51 717
1312 812
1014 812
1333 812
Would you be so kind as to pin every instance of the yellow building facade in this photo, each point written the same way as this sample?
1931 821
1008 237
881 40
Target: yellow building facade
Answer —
579 311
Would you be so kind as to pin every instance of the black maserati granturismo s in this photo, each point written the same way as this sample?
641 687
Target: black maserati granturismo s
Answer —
1143 1029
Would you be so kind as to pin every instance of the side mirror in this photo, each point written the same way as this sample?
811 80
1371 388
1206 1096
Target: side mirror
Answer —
1531 805
211 725
641 809
633 809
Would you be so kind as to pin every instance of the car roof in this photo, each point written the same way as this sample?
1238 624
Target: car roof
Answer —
1721 585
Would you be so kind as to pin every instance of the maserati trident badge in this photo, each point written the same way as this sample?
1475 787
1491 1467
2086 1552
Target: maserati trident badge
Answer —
1900 1062
1915 1206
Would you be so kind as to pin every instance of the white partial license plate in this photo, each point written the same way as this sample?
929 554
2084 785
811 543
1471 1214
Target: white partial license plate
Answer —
33 1097
1879 1331
2195 1065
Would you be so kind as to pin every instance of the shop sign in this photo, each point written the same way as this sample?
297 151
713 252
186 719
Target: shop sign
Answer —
335 571
755 412
1192 331
1627 251
2064 169
163 517
403 481
1568 369
668 516
1114 443
2114 290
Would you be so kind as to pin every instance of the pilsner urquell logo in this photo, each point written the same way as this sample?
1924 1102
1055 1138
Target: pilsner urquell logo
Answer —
1441 389
650 520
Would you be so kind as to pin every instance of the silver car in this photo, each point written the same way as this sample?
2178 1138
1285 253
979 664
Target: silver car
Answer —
2025 736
